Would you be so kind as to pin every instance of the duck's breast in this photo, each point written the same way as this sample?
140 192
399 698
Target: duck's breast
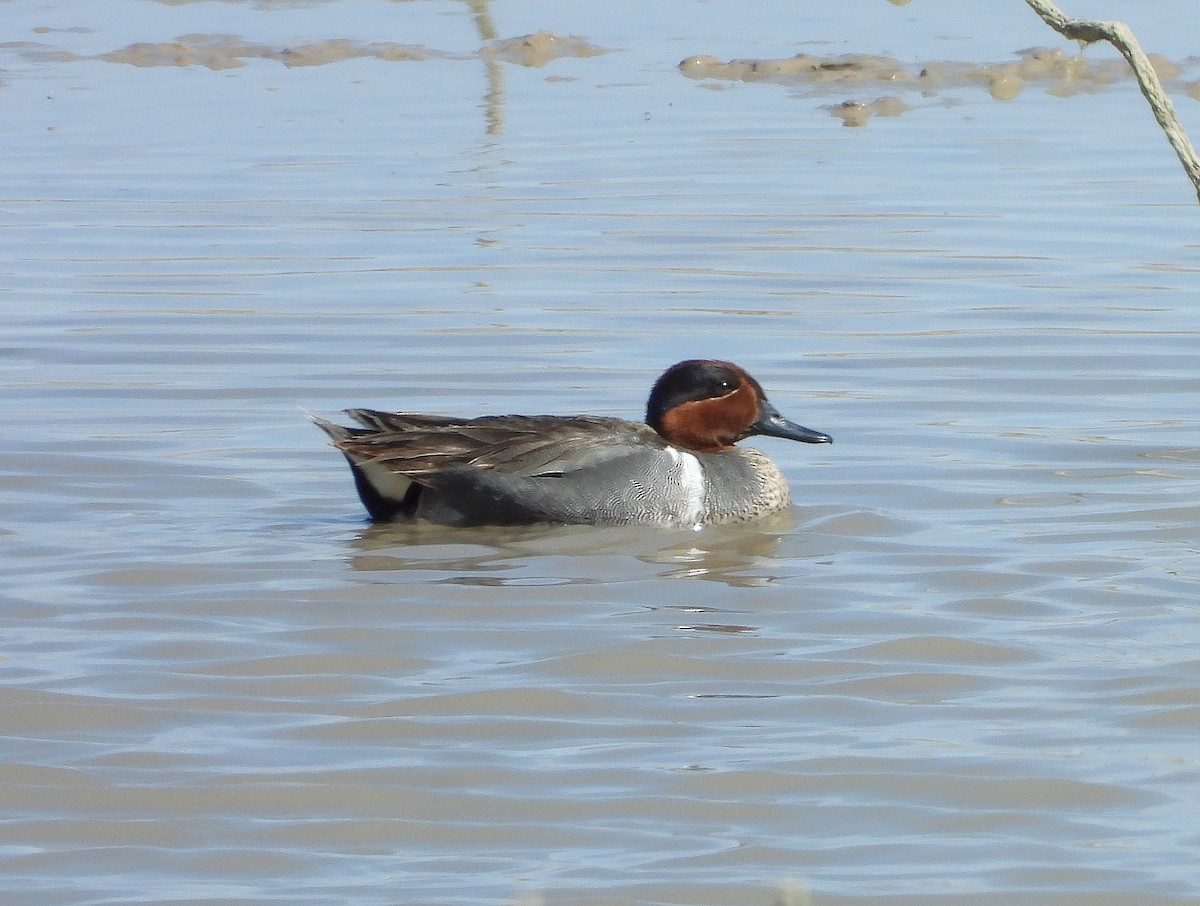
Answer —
741 483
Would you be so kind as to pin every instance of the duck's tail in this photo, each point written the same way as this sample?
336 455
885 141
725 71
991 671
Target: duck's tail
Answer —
386 494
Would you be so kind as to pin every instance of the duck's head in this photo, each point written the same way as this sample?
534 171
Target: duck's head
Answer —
707 406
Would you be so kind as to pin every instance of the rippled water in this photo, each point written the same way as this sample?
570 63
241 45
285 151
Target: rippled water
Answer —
963 669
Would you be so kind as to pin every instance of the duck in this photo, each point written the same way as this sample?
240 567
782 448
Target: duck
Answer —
680 467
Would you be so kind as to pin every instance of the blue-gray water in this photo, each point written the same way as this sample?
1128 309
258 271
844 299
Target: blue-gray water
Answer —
963 669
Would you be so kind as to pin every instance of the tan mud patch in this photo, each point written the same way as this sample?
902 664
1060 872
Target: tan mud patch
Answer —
539 49
858 113
218 51
230 52
1058 72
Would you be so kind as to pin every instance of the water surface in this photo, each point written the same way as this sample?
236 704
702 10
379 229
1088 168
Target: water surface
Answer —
961 670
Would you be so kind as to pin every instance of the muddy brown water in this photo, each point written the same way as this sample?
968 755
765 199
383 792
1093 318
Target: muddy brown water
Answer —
962 669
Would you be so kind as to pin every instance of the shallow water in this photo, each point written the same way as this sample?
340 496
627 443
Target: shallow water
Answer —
962 669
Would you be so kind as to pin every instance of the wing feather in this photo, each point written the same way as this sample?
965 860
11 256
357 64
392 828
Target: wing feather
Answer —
418 446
